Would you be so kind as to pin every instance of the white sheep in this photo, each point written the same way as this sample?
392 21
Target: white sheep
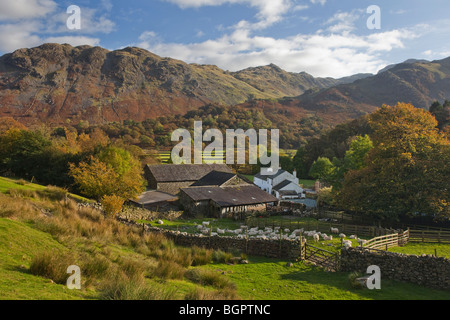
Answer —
353 237
334 230
342 236
316 237
205 223
238 231
347 243
220 231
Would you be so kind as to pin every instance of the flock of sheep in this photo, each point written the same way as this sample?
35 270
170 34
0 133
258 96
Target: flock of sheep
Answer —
275 234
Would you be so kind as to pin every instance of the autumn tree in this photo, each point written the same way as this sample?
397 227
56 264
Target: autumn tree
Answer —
114 172
407 170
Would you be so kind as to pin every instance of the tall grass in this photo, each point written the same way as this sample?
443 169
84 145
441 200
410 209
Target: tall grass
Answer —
52 265
122 287
210 278
103 247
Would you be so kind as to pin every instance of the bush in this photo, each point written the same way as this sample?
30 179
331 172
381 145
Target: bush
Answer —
112 205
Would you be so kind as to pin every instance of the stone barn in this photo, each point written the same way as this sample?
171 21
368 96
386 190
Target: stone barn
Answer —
225 201
170 178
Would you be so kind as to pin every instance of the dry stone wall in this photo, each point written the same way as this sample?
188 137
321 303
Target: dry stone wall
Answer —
426 270
284 249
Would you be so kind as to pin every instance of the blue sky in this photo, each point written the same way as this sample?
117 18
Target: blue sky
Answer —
321 37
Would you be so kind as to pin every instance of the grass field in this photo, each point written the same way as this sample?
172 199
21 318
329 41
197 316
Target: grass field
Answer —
268 279
120 262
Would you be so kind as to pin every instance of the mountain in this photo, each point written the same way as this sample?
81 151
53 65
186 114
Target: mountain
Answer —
56 83
419 83
61 84
409 61
273 80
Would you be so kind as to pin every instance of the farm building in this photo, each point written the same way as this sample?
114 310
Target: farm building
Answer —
225 201
282 184
153 199
171 178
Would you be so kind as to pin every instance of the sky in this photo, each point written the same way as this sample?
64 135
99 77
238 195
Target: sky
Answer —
326 38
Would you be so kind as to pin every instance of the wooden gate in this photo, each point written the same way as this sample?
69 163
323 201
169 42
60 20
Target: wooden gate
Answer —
321 257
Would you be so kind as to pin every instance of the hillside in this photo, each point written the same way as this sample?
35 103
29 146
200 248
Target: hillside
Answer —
419 83
63 84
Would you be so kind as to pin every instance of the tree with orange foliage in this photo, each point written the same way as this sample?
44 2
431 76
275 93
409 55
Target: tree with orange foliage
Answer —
406 172
8 123
113 172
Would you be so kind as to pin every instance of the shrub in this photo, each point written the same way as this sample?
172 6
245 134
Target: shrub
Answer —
112 205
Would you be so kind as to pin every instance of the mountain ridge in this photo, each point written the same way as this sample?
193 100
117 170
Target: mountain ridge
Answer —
61 84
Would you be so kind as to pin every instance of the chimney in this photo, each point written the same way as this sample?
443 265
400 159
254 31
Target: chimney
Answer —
295 173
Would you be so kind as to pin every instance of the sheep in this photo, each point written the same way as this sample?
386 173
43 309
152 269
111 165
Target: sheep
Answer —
362 242
199 227
316 237
347 243
334 230
220 231
238 231
205 223
353 237
342 236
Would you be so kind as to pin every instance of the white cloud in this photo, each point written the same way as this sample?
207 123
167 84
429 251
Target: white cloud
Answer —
321 54
73 40
28 23
269 11
11 10
322 2
19 35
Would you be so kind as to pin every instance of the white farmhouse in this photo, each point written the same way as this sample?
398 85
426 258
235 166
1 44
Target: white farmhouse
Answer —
282 185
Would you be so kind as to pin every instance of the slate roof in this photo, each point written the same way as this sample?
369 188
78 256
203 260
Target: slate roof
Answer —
214 178
150 197
230 196
184 172
273 176
281 185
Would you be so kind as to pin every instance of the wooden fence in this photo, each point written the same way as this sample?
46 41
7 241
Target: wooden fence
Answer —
388 241
432 236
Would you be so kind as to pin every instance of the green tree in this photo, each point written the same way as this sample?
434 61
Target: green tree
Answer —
322 169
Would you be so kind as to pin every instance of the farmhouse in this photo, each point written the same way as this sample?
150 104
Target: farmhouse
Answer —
225 201
171 178
282 185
